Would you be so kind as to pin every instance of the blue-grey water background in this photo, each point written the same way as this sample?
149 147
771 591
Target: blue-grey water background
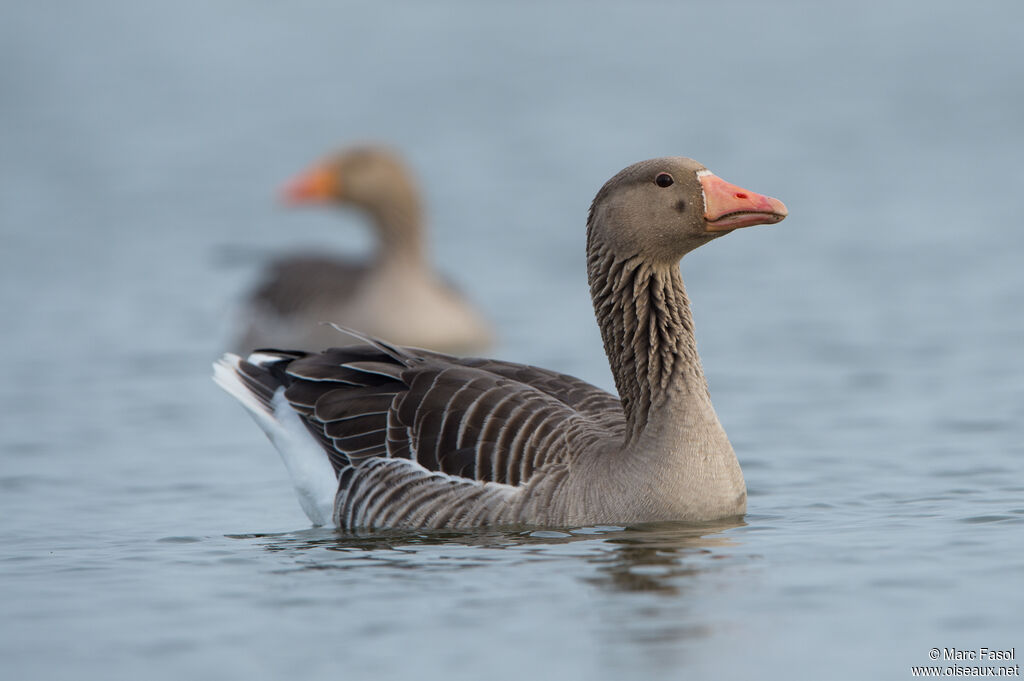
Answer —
864 355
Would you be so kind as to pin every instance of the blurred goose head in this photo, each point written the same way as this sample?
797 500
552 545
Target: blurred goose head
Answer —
371 178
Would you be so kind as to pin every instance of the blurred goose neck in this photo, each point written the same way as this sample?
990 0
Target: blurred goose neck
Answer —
400 231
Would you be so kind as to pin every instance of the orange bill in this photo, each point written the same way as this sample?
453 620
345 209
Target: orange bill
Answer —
319 183
728 207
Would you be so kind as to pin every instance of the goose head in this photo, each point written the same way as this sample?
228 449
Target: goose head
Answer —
369 177
661 209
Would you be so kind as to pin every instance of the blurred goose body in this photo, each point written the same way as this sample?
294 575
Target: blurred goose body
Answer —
378 436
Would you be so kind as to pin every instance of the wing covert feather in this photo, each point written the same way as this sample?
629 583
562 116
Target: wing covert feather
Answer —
476 419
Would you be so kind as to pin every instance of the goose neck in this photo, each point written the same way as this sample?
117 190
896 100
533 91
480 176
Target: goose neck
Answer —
647 328
400 232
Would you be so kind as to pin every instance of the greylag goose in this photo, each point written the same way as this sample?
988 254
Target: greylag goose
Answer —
395 295
381 436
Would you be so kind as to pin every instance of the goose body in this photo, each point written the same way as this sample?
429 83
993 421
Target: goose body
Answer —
394 294
377 435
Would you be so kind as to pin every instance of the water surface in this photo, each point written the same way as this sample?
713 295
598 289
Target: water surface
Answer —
864 355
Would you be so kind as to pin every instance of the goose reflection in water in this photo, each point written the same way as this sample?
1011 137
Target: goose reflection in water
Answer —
658 558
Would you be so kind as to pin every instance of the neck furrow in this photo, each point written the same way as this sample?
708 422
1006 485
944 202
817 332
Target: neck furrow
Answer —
647 329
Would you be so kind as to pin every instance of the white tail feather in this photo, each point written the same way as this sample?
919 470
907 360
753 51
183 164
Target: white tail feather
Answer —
312 474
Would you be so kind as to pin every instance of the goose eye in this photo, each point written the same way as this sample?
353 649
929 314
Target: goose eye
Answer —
663 180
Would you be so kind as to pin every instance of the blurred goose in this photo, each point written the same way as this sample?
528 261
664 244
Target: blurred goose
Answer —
377 435
395 295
